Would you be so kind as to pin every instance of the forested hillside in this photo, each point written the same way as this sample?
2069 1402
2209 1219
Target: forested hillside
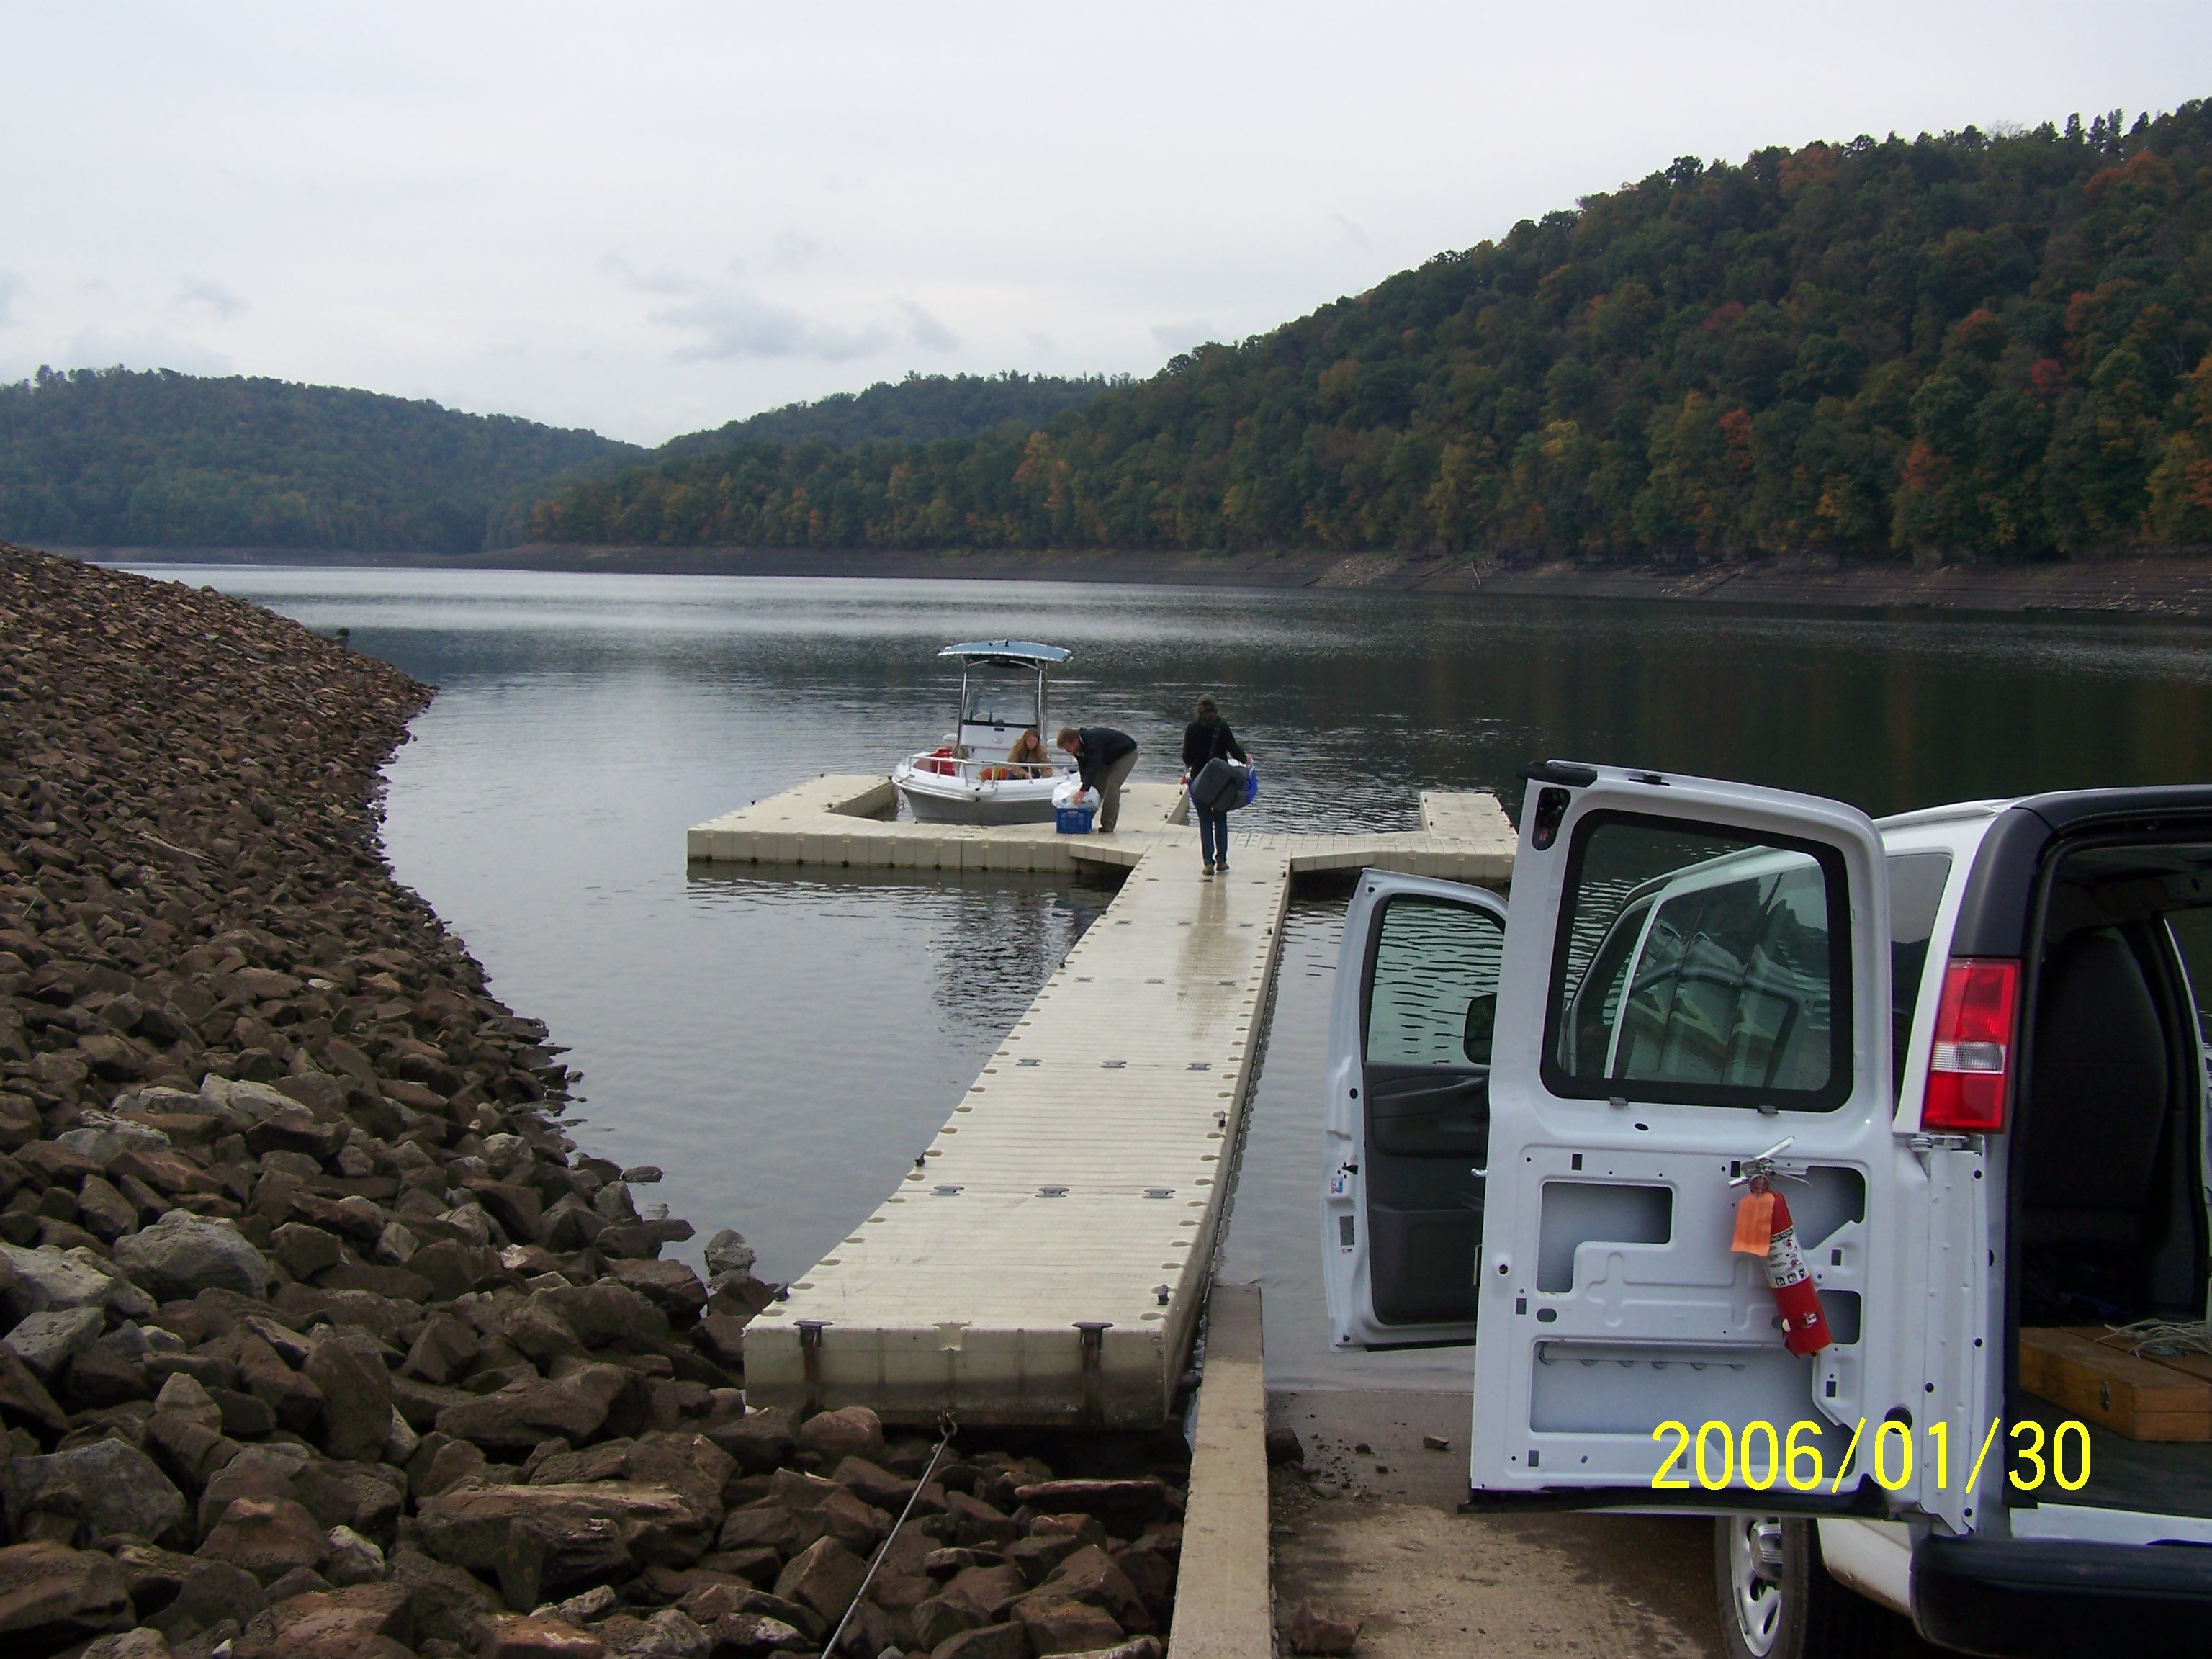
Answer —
109 458
1975 344
920 409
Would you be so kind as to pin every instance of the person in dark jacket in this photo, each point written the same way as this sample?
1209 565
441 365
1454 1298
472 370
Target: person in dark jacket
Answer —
1208 738
1104 757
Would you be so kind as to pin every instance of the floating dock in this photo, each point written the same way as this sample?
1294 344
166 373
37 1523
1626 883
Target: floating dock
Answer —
1045 1261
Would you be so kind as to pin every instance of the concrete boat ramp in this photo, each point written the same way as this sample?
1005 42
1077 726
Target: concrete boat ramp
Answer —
1046 1261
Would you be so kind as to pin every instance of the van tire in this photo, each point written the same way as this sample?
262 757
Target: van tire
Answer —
1777 1599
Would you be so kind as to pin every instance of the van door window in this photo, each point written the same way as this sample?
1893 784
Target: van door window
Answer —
1435 985
1699 967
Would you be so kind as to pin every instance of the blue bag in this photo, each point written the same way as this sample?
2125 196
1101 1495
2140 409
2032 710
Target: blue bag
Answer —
1223 785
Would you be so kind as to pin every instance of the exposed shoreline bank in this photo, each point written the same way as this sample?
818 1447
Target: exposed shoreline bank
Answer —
2168 588
316 1336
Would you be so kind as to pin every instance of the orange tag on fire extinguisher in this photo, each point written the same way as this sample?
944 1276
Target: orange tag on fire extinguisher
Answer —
1754 1224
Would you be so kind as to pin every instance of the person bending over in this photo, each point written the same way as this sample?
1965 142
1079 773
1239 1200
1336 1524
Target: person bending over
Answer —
1208 738
1104 757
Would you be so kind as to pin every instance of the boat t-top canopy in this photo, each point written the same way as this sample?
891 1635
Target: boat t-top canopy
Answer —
1008 653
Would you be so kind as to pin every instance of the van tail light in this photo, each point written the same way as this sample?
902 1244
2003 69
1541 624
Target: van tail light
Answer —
1972 1061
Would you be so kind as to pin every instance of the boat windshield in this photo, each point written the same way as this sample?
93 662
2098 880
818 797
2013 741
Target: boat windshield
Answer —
999 697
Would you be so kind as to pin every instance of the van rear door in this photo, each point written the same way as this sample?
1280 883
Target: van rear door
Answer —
1407 1120
1695 973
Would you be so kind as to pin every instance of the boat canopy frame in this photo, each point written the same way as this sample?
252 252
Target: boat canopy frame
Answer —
1018 656
1010 654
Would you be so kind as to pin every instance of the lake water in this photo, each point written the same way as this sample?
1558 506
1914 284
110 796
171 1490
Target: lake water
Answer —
783 1047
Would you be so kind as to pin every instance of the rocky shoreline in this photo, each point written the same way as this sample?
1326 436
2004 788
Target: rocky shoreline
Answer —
318 1337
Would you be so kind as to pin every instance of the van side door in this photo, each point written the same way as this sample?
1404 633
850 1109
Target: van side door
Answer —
1407 1119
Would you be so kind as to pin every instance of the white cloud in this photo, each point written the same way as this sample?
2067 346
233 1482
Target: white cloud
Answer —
11 286
734 327
926 330
199 291
793 250
647 281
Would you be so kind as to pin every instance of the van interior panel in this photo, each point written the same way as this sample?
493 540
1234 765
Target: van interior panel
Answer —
2107 1217
1579 1212
1576 1391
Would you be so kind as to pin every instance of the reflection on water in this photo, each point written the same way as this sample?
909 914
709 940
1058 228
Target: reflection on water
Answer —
989 941
783 1047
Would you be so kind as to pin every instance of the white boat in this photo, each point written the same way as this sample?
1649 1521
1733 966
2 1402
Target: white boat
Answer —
968 779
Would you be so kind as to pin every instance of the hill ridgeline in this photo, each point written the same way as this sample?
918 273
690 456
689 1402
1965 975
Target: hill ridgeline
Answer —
110 457
1973 344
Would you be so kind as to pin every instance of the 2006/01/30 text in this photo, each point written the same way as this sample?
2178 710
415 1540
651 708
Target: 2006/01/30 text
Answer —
1718 1454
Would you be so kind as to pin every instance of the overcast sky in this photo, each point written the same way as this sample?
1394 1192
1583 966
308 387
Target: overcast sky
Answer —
651 218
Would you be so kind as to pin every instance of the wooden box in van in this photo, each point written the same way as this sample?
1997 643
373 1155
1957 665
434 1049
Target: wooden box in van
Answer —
2138 1399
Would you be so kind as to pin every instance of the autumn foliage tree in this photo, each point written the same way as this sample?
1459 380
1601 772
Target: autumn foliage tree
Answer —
1969 344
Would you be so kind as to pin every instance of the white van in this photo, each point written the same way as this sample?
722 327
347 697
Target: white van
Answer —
1971 1032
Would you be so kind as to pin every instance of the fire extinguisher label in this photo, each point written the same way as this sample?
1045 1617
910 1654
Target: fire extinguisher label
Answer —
1785 1262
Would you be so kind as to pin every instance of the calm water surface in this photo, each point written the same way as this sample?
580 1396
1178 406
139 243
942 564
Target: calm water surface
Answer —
783 1046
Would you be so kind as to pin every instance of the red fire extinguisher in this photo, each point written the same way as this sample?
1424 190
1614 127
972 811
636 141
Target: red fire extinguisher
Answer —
1764 1228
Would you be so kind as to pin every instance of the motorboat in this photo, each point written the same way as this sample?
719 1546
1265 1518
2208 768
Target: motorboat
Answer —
967 778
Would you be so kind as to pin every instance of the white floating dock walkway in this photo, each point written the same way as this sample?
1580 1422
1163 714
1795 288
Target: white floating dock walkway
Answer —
1047 1260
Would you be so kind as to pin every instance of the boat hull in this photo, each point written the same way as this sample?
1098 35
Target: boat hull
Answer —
933 798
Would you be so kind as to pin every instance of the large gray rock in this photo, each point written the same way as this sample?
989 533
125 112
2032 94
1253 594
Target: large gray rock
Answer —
110 1372
671 1286
448 1601
47 1278
761 1441
110 1484
367 1497
102 1138
1090 1576
142 1643
606 1314
47 1341
356 1397
268 1537
210 1592
727 1252
667 1634
24 1399
354 1559
243 1103
825 1576
584 1532
103 1211
363 1621
182 1254
184 1397
573 1409
849 1432
123 1298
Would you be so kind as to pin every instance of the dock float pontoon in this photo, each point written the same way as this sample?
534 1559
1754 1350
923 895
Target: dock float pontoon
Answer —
1046 1260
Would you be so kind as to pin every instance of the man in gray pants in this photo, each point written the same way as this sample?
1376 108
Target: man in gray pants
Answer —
1104 758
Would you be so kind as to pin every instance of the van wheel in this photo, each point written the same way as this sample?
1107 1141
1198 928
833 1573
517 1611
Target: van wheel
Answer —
1777 1601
